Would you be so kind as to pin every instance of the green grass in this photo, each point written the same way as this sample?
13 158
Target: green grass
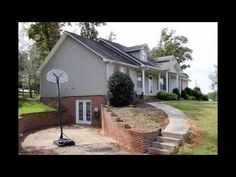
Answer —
29 106
204 115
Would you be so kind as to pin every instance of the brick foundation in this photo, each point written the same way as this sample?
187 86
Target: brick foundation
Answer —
69 104
123 134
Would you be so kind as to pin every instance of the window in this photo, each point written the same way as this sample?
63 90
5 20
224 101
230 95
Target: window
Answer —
162 85
123 69
139 80
143 55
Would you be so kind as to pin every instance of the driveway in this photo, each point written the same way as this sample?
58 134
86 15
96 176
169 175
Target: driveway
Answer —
88 141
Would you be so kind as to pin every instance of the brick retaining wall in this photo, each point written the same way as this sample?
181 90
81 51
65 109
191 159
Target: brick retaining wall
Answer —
38 120
123 134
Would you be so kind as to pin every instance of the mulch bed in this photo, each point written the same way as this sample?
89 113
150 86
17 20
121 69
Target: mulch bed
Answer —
142 117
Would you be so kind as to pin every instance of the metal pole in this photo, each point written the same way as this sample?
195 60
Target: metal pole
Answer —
59 107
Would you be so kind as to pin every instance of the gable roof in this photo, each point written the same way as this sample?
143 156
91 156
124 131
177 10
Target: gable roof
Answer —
116 52
150 62
104 50
166 62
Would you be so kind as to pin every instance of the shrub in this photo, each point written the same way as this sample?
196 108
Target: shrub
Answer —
189 91
191 98
176 91
197 93
174 96
197 88
213 96
121 89
205 98
184 95
163 95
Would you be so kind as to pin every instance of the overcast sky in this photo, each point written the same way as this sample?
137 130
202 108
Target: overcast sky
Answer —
202 39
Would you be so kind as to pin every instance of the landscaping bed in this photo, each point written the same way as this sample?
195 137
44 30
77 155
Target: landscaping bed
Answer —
142 117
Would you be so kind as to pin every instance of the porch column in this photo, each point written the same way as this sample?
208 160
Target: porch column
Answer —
177 81
159 83
143 81
167 81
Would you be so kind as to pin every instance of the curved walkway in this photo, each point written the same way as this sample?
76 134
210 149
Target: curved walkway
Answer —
178 122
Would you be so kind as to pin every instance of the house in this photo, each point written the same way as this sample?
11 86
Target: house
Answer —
90 63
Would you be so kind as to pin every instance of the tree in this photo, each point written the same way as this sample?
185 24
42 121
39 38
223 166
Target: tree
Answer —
172 45
88 29
22 59
112 36
45 36
27 75
213 78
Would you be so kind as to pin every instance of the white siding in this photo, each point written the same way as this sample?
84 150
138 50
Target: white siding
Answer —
184 84
133 75
111 69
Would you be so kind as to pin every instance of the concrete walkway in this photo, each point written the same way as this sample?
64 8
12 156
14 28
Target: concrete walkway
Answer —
178 123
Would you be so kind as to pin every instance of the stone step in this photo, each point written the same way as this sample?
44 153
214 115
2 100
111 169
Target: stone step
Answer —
158 151
168 146
173 135
168 140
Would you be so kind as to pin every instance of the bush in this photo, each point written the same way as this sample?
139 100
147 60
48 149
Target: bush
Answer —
205 98
184 95
176 91
121 89
174 96
163 95
197 88
212 96
197 93
189 91
191 98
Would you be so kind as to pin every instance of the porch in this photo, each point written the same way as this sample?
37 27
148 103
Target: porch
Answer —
150 81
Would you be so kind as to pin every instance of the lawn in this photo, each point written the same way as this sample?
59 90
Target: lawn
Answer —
203 115
29 106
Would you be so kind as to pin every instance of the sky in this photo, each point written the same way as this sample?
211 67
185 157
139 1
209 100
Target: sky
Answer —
202 39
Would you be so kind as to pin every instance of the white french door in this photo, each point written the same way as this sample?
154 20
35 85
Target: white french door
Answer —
83 111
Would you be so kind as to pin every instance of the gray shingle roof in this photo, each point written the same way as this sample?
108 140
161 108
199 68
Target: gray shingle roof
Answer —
105 51
150 61
110 52
133 48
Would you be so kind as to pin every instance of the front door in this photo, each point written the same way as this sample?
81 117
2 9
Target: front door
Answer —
83 111
150 84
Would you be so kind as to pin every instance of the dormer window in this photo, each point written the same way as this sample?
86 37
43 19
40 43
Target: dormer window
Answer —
143 55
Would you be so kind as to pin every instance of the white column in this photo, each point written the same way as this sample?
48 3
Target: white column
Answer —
167 81
159 83
143 81
177 81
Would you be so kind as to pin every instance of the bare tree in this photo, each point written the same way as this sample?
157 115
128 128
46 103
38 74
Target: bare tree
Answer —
214 79
112 36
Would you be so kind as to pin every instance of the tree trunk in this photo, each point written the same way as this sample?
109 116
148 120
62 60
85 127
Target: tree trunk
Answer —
30 89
